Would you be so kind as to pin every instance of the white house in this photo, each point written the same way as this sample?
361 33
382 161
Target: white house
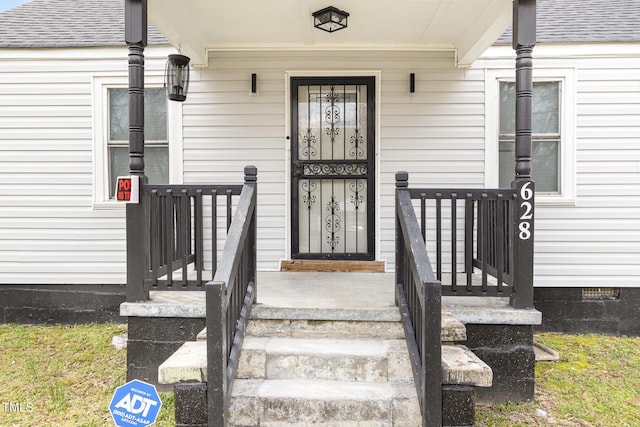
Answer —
436 80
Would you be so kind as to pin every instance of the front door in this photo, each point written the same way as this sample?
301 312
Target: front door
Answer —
332 155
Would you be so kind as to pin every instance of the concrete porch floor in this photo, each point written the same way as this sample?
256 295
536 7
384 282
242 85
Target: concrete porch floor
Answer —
331 291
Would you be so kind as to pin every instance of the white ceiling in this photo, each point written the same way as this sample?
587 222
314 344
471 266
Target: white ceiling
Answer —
198 26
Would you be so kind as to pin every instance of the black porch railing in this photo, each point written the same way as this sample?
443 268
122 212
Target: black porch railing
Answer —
184 224
174 235
480 237
418 294
229 298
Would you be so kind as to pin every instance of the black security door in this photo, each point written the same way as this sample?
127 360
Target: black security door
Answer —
332 154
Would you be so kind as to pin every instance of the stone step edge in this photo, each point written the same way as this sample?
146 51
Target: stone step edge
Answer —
388 314
453 330
460 366
321 389
321 402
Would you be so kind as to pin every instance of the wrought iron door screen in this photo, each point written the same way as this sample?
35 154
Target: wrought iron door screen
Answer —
333 169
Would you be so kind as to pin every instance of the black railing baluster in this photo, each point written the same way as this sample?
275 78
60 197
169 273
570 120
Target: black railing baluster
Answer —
468 240
214 233
486 240
423 217
184 236
454 235
500 241
199 235
439 236
169 236
229 209
155 233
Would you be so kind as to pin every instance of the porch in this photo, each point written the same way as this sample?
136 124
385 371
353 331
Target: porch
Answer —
480 291
471 244
319 309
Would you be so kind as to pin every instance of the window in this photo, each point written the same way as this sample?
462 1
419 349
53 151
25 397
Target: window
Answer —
553 141
546 135
163 136
156 144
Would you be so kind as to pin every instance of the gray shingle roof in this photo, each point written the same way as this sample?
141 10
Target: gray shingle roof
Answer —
583 21
67 23
85 23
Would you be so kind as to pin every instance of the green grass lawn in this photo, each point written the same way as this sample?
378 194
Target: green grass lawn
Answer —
66 376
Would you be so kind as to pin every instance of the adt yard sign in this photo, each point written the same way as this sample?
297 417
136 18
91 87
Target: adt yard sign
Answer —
135 404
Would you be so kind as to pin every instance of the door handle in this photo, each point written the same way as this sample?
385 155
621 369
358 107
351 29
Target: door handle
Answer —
297 169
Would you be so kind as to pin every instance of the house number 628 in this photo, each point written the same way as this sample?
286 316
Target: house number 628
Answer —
525 219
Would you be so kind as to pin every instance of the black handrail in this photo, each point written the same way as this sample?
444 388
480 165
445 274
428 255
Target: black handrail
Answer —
418 294
229 297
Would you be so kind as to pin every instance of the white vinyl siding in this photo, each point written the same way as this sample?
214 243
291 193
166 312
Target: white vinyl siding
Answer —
51 231
436 133
594 241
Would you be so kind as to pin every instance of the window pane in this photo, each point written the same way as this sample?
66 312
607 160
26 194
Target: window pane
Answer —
545 105
118 166
156 165
507 161
155 114
544 166
118 115
507 108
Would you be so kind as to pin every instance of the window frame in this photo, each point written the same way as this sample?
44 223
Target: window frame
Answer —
566 194
101 86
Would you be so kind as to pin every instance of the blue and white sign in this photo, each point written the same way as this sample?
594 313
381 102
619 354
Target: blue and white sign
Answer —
135 404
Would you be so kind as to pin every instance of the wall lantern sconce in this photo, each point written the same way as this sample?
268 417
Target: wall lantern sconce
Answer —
412 82
254 83
176 77
330 19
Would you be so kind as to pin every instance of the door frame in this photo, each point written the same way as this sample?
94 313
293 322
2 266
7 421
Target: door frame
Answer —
377 78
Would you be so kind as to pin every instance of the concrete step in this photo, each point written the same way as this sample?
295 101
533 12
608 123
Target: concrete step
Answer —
324 359
356 324
365 360
301 403
461 367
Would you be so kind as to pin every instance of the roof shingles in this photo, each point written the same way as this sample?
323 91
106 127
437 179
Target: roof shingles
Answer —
585 21
67 23
85 23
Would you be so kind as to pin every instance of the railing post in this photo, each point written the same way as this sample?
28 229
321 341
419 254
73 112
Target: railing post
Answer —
216 353
524 39
432 354
137 239
251 179
402 182
523 216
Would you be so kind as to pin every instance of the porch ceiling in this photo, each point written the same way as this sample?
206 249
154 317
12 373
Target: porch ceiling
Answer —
198 26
